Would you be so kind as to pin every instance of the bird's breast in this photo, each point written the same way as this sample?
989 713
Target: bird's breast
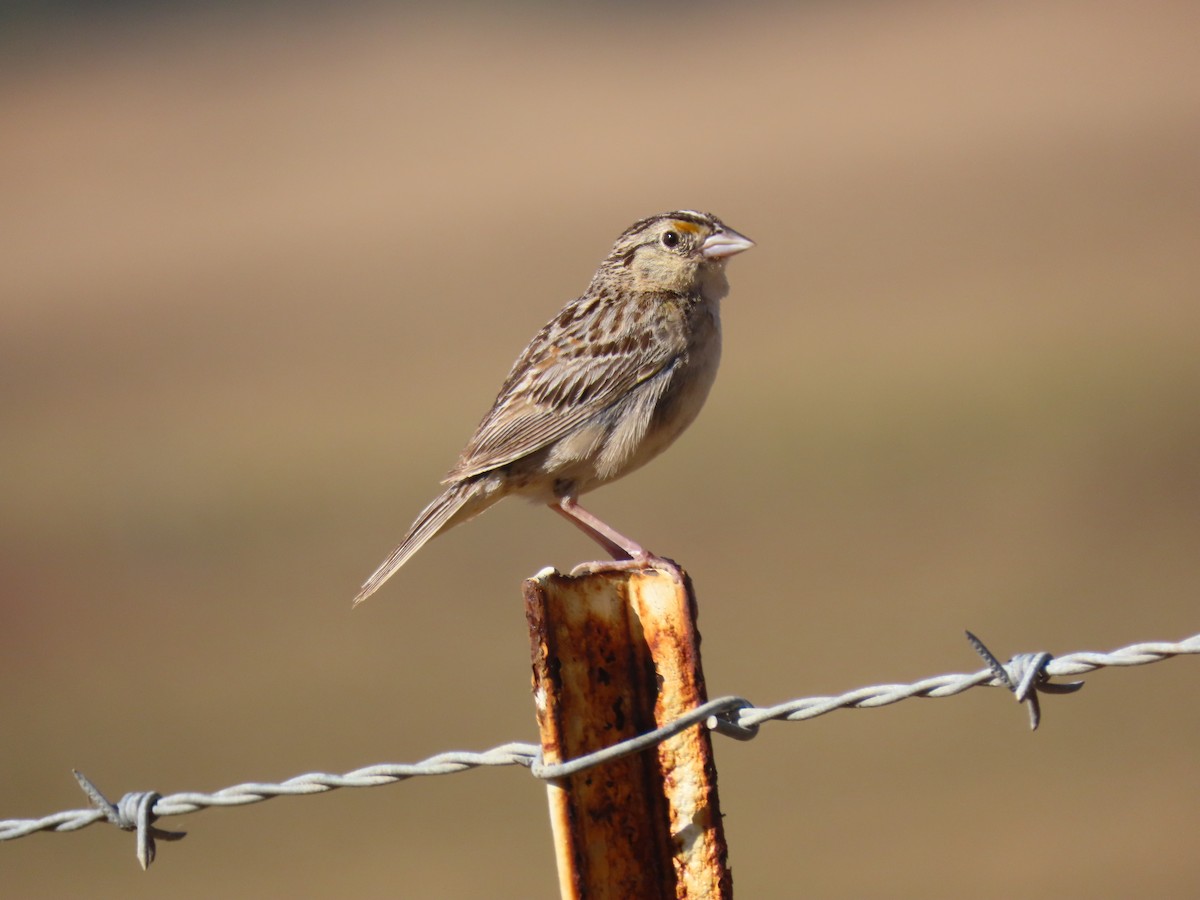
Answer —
697 370
661 408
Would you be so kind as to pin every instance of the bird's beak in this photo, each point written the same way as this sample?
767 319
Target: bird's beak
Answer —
724 243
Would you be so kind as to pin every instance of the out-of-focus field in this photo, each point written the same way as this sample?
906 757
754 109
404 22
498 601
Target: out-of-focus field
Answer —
261 274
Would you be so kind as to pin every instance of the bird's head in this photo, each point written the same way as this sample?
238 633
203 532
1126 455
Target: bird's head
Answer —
678 252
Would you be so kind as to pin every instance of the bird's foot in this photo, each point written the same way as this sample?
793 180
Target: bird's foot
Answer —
634 564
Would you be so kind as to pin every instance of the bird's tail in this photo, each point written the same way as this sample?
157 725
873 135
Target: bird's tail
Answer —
457 503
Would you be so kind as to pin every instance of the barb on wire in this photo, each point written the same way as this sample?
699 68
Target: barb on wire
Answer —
1025 675
135 812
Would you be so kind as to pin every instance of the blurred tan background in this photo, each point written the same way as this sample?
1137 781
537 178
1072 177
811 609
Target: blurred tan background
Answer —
263 270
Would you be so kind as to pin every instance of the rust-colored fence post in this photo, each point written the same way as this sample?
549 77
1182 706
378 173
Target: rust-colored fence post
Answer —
617 654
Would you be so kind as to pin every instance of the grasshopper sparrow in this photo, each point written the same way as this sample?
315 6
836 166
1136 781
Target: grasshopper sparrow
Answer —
602 389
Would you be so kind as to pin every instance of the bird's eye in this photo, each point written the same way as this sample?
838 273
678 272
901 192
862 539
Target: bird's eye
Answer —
670 239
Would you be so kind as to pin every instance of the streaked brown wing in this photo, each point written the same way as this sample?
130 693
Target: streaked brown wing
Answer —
558 383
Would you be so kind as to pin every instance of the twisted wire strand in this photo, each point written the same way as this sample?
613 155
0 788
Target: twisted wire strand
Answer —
1025 675
513 754
948 685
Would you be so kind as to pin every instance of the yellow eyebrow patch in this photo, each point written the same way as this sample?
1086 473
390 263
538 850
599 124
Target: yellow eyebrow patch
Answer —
689 227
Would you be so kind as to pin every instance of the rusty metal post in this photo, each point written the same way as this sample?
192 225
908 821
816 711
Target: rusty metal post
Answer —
617 654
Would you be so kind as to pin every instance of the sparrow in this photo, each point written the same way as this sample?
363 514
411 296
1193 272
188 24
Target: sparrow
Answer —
604 387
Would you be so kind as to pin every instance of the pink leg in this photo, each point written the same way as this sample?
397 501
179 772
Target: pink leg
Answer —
626 553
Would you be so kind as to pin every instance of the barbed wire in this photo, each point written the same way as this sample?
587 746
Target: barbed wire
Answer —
1026 675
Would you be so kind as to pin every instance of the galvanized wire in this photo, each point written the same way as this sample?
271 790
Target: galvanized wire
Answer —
1025 674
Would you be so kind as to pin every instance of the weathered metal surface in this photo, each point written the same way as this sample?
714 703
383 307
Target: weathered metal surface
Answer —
616 654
